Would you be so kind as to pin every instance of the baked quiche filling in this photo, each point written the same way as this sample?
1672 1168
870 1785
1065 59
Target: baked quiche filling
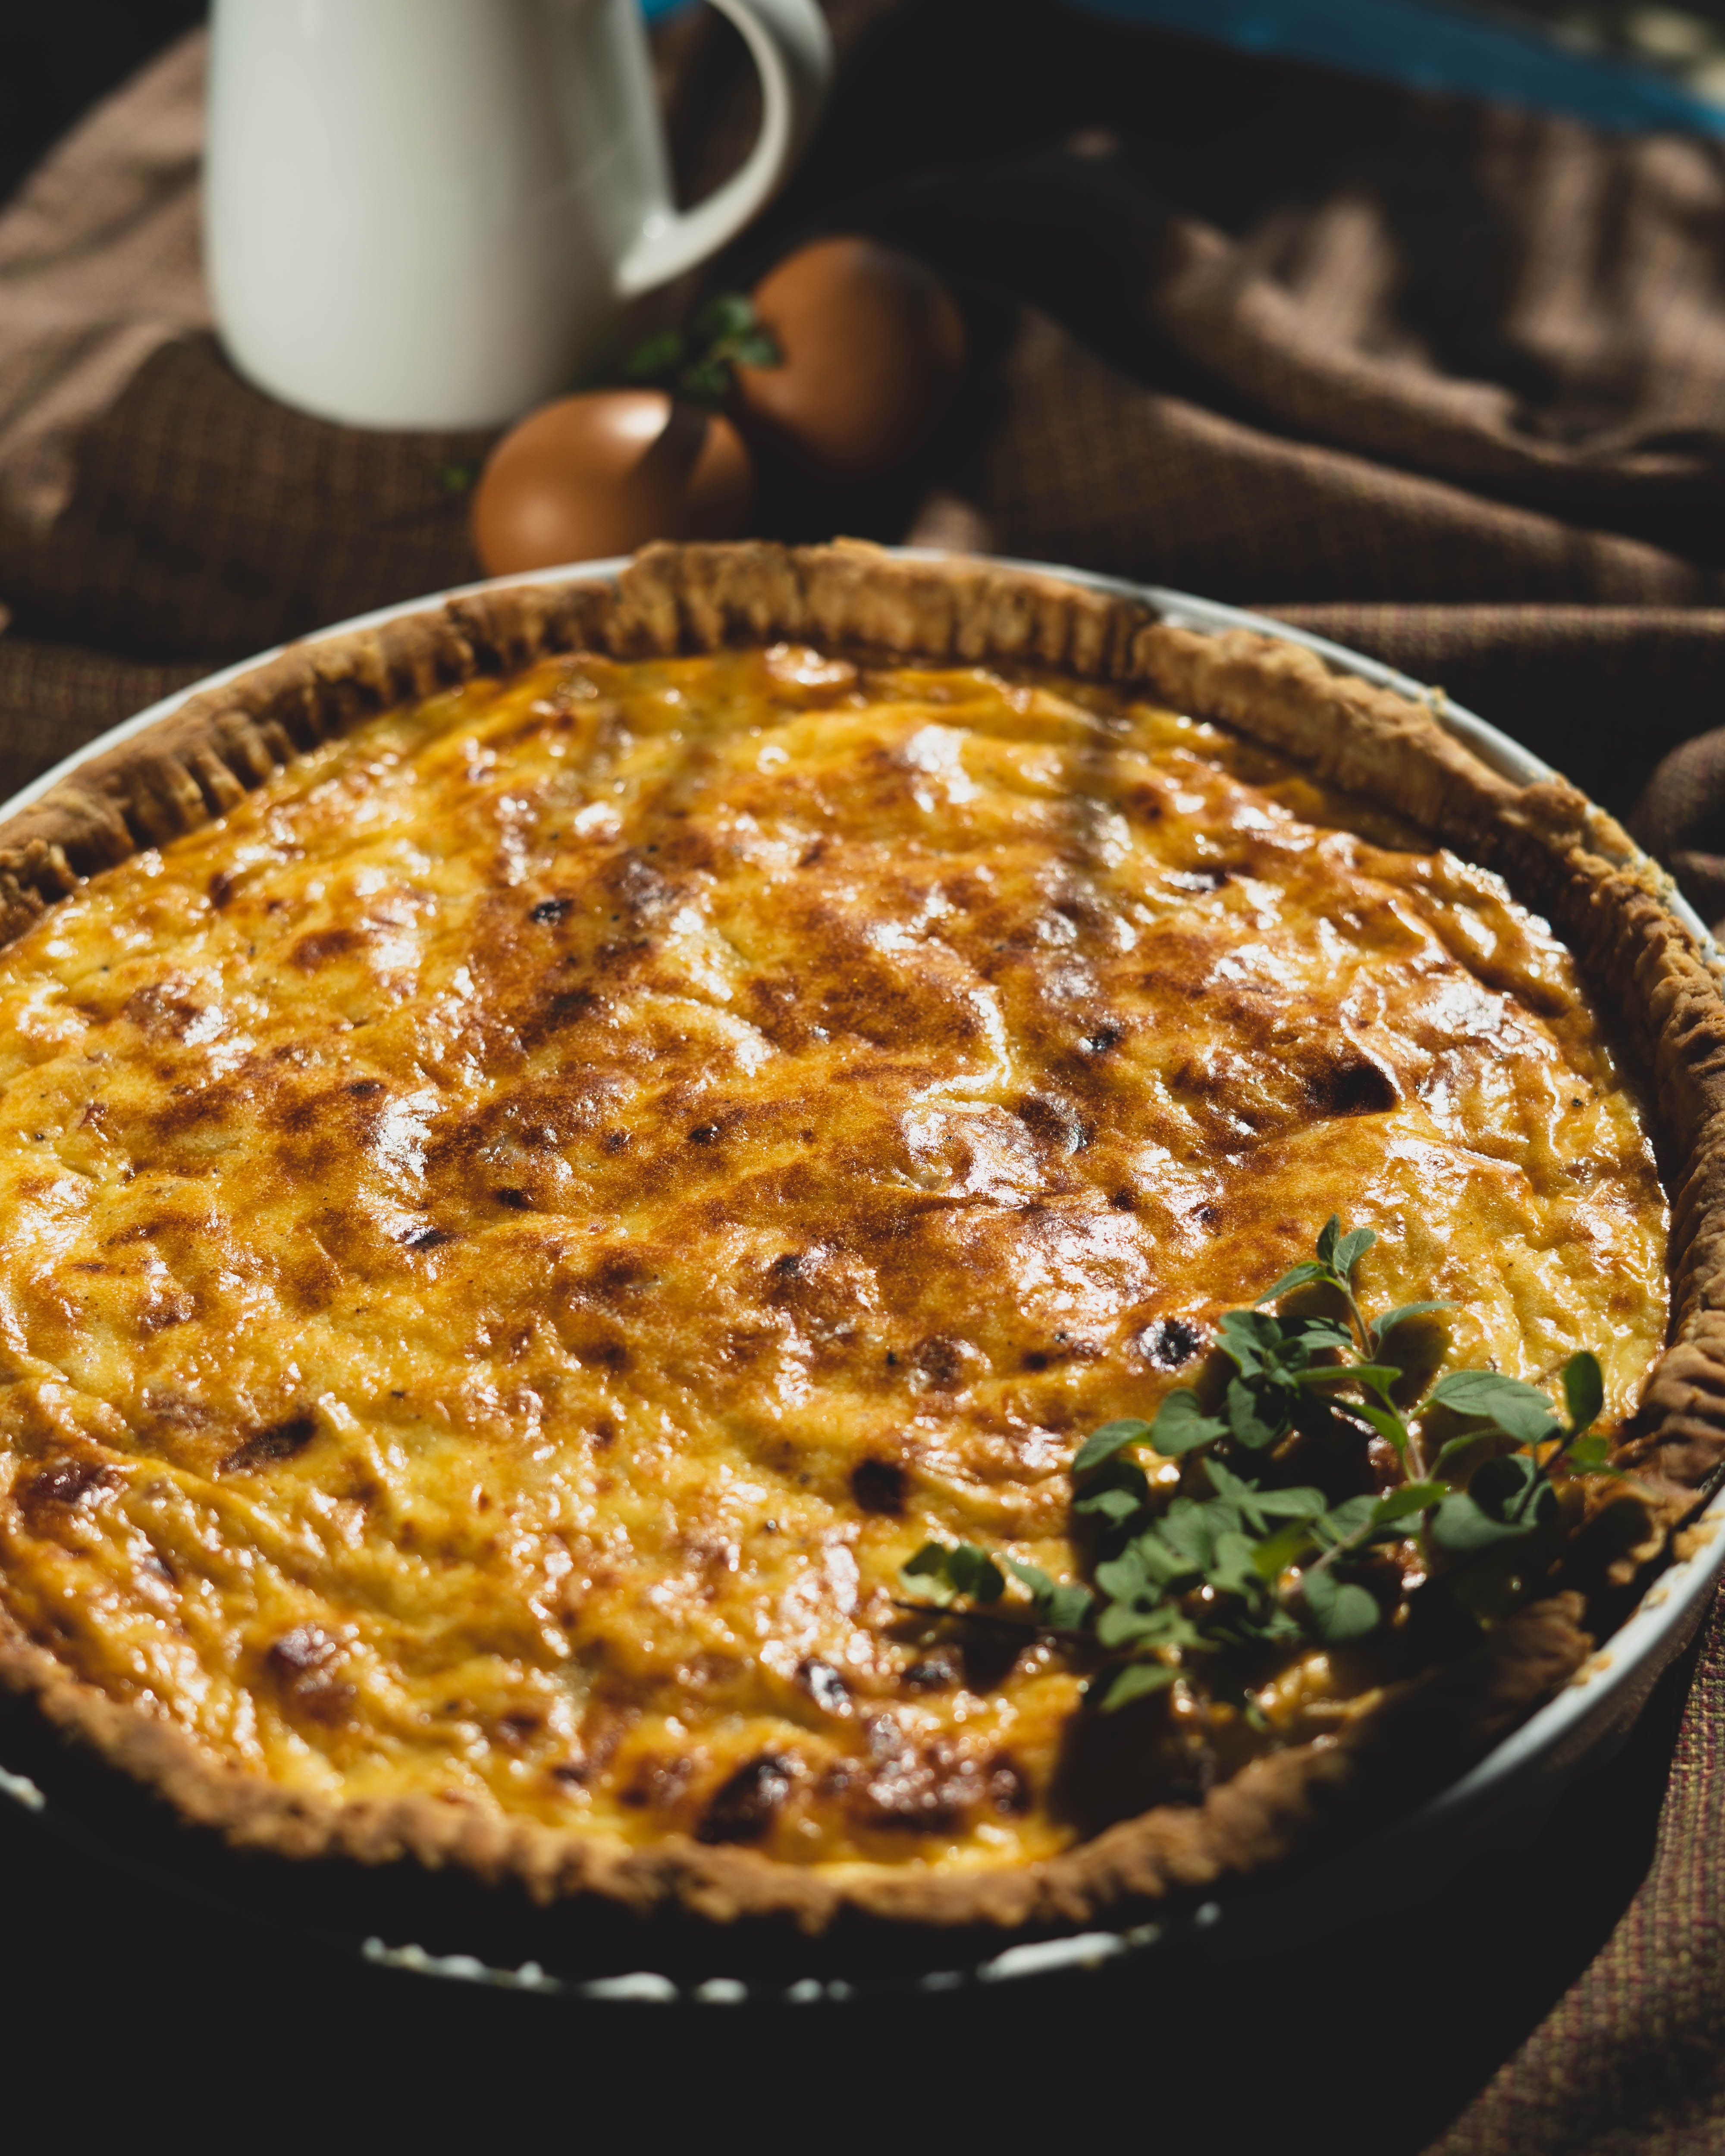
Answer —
510 1239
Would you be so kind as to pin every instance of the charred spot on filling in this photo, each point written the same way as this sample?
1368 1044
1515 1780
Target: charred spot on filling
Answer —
424 1239
917 1789
313 951
1009 1791
743 1808
703 1134
306 1648
280 1441
517 1200
878 1485
1345 1083
824 1685
303 1663
940 1360
550 910
657 1783
1056 1124
63 1485
1169 1344
362 1089
936 1673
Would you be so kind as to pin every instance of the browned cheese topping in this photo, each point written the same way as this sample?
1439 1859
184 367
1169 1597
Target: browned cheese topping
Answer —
514 1236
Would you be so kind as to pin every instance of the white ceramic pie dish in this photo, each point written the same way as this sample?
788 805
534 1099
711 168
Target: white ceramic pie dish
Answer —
1507 1794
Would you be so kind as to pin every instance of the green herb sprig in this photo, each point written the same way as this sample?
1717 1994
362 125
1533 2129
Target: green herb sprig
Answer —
1236 1565
727 334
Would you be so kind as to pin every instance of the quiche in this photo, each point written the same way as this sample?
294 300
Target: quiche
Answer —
548 1147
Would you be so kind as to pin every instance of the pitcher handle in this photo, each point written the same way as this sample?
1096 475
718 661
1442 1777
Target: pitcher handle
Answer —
792 49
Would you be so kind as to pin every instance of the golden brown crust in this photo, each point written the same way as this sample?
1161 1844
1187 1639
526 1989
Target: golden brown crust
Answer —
1557 851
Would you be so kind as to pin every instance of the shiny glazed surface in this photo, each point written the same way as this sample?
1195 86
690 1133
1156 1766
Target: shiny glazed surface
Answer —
513 1236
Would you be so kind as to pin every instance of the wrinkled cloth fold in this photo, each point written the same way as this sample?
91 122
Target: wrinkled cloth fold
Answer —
1445 382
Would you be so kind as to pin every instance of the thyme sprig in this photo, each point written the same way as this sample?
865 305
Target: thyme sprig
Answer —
1240 1565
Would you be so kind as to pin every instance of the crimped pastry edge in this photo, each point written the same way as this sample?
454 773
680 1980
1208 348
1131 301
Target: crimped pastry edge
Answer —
1558 853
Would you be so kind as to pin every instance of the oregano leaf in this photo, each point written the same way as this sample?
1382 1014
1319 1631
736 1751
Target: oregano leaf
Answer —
1338 1610
1583 1390
1114 1436
1181 1426
1404 1314
1136 1681
1300 1275
1521 1412
1251 1426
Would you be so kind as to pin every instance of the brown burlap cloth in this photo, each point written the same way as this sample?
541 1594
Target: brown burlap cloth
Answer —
1444 381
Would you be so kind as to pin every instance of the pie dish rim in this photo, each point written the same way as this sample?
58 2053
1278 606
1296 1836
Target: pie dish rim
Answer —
724 1884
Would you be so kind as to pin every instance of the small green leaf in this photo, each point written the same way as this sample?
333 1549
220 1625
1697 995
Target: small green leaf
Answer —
1231 1570
1159 1558
1274 1555
1252 1427
1181 1426
1469 1441
730 314
1068 1608
1301 1276
655 357
1112 1505
1583 1390
1373 1376
1408 1498
1313 1334
929 1559
1388 1424
1461 1525
1296 1504
1343 1522
1247 1337
1031 1576
1519 1411
1351 1248
1104 1443
1327 1237
1589 1455
974 1573
1507 1500
1135 1682
756 349
1189 1533
1121 1625
1402 1315
706 382
1126 1578
1338 1610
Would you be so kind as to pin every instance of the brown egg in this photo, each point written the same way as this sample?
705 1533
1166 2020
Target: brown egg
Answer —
604 473
874 349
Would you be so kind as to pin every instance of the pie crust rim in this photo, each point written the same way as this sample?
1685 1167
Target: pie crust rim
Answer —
1654 981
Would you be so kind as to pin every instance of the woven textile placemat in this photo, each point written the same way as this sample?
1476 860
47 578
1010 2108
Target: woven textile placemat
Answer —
1446 383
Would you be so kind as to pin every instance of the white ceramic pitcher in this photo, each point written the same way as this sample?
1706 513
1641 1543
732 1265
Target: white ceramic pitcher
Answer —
433 213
